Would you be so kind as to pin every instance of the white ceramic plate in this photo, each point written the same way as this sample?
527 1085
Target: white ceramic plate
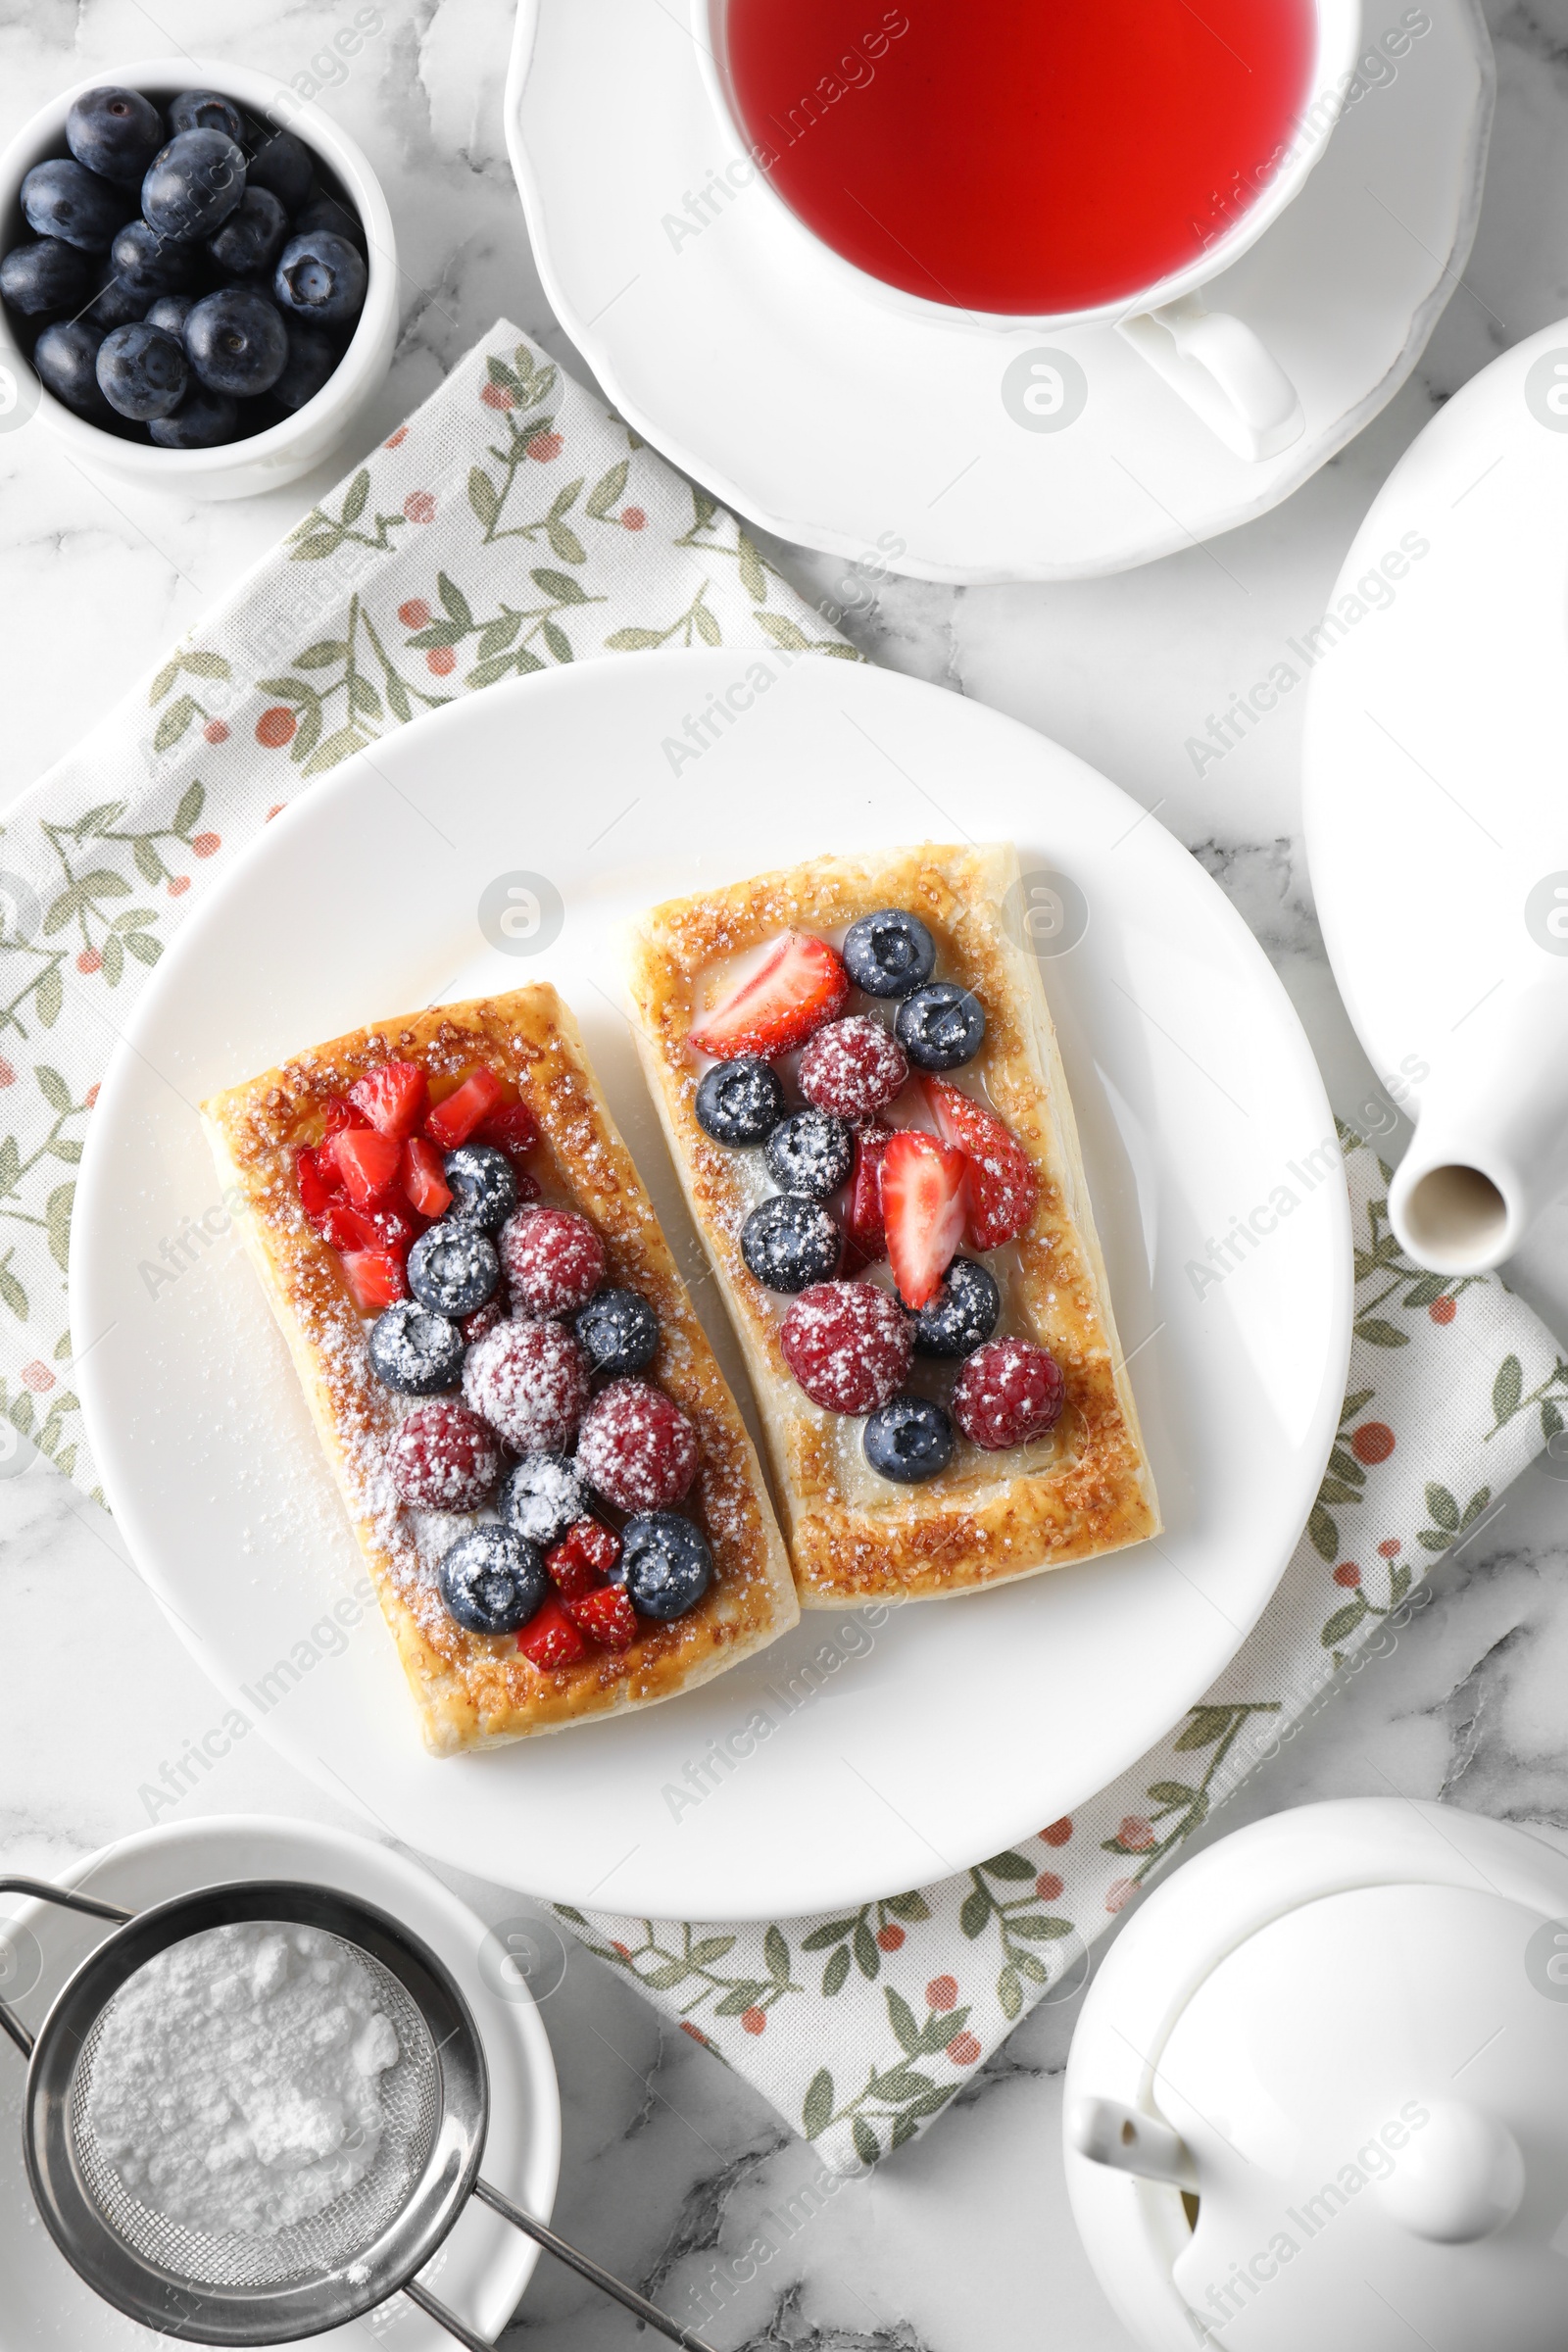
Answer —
484 2265
757 362
919 1741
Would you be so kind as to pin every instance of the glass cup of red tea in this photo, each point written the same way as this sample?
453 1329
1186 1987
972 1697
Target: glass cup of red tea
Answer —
1047 164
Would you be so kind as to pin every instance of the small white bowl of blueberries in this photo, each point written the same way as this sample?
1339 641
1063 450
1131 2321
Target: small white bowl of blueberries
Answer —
204 295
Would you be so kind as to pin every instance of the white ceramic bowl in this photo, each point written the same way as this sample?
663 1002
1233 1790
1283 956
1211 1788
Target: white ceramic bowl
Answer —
283 451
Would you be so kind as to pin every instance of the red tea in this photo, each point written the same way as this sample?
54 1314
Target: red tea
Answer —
1031 156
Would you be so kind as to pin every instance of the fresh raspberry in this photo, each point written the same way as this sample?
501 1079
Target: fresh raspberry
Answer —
483 1319
443 1458
848 1344
637 1449
550 1639
528 1381
1008 1392
583 1557
554 1261
851 1067
606 1617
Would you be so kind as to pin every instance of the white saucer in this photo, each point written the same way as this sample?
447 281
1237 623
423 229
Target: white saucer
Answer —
1432 759
903 1746
834 420
484 2265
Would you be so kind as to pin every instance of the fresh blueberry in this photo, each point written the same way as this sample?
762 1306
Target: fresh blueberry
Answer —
740 1102
171 311
909 1440
810 1151
193 185
285 167
66 357
250 238
664 1564
151 263
63 199
325 212
46 275
203 420
617 1332
453 1269
889 953
115 134
790 1242
964 1314
236 341
484 1186
542 1496
206 109
142 371
940 1026
313 357
493 1581
415 1352
321 278
116 302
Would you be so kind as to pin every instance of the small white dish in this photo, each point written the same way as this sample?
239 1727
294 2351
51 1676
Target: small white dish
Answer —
284 450
484 2265
761 367
900 1745
1432 807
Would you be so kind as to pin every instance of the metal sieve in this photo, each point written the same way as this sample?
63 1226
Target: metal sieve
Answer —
361 2249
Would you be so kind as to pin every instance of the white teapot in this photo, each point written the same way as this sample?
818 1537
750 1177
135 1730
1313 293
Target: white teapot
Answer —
1317 2100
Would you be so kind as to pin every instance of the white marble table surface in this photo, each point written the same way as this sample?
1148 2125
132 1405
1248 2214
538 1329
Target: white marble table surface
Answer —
964 2242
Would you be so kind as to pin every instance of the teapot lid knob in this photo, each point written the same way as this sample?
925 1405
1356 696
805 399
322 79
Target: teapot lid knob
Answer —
1461 2178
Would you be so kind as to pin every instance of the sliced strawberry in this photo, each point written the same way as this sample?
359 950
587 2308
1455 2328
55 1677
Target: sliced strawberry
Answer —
606 1617
392 1222
345 1228
375 1279
583 1557
512 1129
316 1189
864 1229
453 1121
550 1638
423 1179
341 1114
800 985
393 1098
922 1212
367 1161
1003 1184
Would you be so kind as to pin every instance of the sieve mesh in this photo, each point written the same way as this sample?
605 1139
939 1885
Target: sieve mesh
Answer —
331 2241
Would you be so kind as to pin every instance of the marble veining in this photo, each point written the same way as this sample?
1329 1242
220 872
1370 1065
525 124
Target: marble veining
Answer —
672 2164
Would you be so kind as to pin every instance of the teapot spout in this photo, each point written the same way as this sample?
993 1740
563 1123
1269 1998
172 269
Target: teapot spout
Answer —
1491 1149
1130 2141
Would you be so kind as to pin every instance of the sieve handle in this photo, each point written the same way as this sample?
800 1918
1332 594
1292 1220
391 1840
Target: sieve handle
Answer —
42 1892
648 2311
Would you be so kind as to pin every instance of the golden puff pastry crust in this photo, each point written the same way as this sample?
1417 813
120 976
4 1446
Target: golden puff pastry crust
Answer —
1085 1489
476 1690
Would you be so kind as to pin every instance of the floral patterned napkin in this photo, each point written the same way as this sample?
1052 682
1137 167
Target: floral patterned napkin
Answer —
514 523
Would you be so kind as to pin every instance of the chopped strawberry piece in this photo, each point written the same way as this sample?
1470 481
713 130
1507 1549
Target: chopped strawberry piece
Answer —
392 1223
453 1121
550 1638
583 1557
922 1212
345 1228
367 1161
393 1098
800 985
424 1178
606 1617
1003 1184
341 1114
316 1190
864 1230
512 1129
375 1279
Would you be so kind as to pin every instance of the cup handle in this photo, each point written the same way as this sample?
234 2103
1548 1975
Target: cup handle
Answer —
1224 371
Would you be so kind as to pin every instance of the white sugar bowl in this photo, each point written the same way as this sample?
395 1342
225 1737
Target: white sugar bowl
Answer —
1318 2095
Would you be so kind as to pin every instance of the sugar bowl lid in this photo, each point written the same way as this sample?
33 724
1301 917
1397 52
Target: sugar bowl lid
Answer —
1355 2021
